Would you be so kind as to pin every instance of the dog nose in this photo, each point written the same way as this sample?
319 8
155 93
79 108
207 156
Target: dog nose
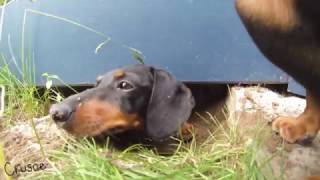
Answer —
60 112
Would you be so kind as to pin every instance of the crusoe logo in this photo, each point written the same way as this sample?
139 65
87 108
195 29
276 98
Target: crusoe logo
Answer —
20 168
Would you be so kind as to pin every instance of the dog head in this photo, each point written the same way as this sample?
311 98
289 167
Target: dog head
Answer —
135 97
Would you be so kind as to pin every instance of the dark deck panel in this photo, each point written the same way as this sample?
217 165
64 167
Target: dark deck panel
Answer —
196 40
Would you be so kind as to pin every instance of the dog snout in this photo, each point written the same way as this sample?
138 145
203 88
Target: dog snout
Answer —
60 112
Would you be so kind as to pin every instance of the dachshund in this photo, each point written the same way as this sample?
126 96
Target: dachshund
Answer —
136 97
287 32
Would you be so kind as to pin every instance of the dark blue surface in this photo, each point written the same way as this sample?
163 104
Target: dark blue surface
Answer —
196 40
296 88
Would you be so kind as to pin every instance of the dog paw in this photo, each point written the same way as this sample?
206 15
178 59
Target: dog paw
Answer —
295 130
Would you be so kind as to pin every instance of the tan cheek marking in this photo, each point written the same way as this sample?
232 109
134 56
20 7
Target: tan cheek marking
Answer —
277 14
117 74
94 117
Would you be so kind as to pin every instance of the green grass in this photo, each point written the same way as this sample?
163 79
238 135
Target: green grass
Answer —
2 2
222 155
22 97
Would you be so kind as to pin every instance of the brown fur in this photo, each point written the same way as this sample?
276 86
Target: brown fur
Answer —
94 117
287 33
313 178
306 125
277 14
117 74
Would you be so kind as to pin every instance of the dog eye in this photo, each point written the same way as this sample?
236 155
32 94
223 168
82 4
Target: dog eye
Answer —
125 85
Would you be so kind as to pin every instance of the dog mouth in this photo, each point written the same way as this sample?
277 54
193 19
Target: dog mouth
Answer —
93 118
92 129
61 125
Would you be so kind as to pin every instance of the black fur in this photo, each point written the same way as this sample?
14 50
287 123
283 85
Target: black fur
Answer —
163 102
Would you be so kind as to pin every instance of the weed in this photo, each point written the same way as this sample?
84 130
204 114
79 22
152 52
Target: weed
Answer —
221 156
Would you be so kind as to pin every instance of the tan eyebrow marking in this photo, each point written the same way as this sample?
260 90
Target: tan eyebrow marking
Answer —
119 73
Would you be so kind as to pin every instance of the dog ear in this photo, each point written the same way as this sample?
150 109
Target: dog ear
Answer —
170 105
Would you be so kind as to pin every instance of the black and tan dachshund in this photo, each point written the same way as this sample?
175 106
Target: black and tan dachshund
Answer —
135 97
288 33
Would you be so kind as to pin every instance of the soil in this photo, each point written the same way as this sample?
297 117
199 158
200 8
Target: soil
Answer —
254 109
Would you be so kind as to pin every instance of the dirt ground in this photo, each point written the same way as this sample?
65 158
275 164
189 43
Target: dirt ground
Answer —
254 108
